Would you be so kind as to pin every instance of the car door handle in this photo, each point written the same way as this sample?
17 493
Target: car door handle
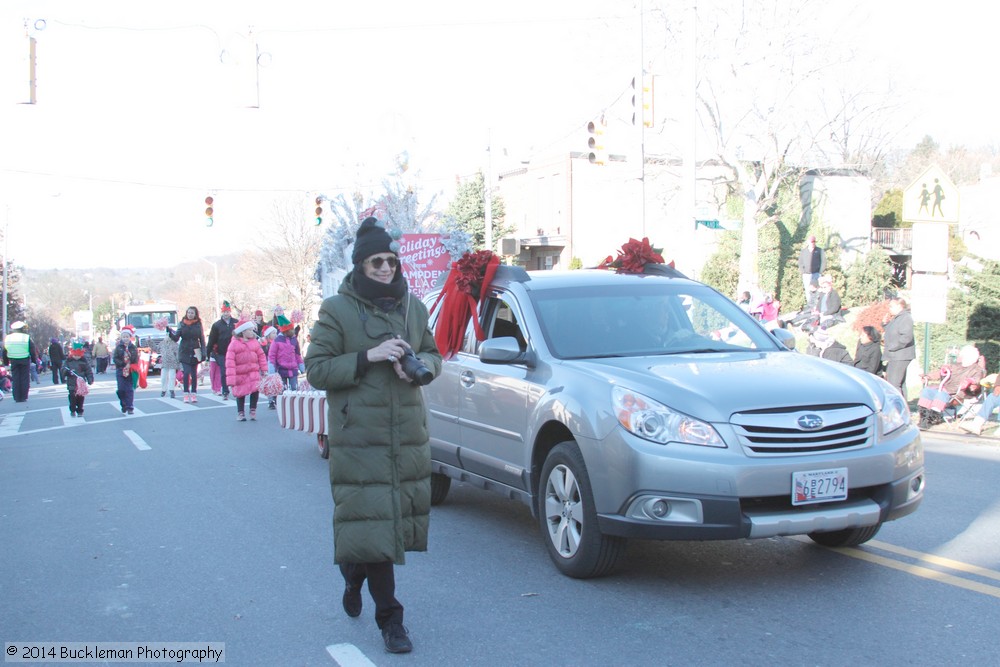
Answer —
467 379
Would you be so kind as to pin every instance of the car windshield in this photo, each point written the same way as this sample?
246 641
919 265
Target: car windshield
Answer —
651 318
148 319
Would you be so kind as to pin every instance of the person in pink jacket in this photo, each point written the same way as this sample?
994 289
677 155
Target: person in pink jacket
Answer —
284 355
245 365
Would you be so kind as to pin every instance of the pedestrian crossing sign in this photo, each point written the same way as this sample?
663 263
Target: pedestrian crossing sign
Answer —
932 197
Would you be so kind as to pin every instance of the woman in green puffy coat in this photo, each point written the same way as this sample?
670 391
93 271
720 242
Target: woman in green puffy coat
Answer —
380 462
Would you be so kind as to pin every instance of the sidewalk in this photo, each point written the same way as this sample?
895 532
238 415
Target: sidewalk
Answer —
991 432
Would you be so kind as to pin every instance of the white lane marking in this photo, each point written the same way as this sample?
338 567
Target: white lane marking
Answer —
11 424
348 655
68 419
139 443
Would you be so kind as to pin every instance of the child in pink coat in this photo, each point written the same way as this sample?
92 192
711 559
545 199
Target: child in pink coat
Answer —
245 365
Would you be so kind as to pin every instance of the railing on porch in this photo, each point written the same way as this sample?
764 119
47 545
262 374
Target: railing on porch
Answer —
895 241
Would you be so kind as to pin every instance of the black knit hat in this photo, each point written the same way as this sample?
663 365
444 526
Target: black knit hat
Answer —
372 239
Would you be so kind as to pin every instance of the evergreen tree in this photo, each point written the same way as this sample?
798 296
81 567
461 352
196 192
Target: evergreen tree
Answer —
868 278
468 211
973 316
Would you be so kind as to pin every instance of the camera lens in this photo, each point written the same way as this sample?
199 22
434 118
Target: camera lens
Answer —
415 369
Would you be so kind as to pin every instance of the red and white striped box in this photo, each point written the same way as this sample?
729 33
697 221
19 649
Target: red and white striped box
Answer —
303 411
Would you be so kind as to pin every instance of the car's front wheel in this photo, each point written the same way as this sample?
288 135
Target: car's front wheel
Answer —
568 517
440 484
849 537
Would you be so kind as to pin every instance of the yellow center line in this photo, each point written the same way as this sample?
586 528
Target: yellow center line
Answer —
937 560
920 571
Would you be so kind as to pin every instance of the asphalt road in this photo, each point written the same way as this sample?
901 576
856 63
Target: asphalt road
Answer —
180 524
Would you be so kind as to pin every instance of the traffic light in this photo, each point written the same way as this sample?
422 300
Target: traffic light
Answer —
647 101
209 211
596 152
319 210
635 103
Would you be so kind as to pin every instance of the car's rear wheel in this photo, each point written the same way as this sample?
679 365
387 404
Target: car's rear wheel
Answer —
440 484
849 537
568 518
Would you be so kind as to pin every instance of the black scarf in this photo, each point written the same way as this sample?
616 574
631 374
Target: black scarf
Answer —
385 296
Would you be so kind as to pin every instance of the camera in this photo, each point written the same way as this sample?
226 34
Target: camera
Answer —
415 369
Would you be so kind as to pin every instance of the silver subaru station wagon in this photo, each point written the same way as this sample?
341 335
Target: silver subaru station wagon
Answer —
653 407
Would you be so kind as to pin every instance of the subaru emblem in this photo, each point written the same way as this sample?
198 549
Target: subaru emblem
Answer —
810 422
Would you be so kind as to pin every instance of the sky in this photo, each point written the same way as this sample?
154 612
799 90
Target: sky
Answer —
141 113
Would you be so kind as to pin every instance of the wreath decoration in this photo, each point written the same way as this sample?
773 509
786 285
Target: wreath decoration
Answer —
634 256
464 290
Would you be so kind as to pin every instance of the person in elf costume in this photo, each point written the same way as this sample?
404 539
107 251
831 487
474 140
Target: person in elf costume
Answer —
259 323
75 370
126 359
285 356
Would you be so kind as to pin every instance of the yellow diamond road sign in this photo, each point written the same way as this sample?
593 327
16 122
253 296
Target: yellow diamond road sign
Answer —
932 197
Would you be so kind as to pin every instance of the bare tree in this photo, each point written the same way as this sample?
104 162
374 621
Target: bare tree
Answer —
772 102
288 253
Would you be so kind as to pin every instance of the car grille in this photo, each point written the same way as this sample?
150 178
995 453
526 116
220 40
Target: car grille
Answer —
150 342
782 432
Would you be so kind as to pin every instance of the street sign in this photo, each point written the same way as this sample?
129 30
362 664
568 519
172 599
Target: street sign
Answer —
929 298
932 197
930 247
711 224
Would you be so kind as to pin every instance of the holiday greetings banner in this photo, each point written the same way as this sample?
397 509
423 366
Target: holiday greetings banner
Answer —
424 259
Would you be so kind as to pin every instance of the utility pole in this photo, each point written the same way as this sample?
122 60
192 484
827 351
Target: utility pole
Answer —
488 191
6 227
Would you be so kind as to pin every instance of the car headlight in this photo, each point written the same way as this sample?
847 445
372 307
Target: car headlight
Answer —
653 421
894 413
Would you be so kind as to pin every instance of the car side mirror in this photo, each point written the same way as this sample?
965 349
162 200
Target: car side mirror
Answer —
785 337
504 350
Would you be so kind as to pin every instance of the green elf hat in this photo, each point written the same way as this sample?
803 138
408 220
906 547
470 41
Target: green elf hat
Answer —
283 324
226 307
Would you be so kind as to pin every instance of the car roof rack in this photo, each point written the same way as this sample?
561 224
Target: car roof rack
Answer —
514 274
662 270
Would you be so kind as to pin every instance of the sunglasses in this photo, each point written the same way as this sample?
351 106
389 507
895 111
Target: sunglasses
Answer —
377 262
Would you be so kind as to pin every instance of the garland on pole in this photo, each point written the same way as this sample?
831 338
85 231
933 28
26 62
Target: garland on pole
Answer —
464 290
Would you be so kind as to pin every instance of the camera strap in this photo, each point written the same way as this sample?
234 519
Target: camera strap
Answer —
363 316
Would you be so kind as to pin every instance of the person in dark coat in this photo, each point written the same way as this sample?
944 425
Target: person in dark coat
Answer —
191 351
218 343
75 370
899 346
868 354
825 346
126 360
380 462
812 263
20 354
56 358
828 304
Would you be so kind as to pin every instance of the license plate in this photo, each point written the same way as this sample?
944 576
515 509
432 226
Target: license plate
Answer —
819 486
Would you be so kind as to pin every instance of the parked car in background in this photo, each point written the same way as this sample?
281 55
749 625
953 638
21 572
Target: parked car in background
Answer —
653 407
